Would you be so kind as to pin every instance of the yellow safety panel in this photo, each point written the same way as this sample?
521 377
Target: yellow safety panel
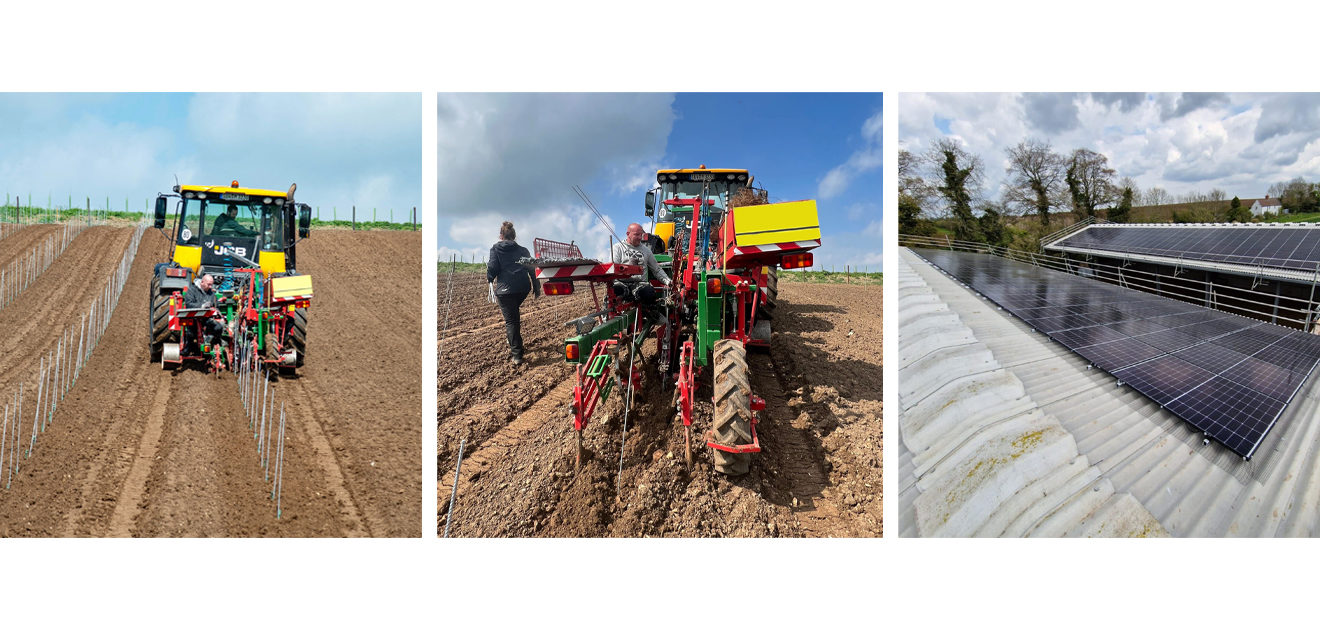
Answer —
253 192
776 223
291 286
271 262
665 230
189 256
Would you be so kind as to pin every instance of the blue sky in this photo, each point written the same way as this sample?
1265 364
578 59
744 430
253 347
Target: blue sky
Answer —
517 156
341 149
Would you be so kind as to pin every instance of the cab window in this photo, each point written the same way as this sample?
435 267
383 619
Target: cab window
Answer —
190 224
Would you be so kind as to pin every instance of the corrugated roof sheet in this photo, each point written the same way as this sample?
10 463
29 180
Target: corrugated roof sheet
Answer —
979 456
1136 448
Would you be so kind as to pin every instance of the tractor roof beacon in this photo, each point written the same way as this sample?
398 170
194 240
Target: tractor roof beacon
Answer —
723 243
246 239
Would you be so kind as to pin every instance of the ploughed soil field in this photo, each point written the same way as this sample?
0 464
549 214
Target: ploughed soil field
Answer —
135 450
818 475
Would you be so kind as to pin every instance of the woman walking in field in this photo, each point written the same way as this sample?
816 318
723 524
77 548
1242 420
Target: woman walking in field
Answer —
511 283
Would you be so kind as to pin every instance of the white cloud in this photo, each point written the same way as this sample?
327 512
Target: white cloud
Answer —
362 149
342 149
1183 143
89 158
556 224
515 154
864 160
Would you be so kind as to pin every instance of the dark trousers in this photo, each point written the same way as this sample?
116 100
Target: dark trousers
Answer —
639 292
509 306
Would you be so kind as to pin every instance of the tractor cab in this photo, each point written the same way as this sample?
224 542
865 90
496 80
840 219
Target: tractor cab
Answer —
671 203
221 228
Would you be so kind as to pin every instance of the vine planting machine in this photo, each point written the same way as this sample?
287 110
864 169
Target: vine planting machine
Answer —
245 239
722 245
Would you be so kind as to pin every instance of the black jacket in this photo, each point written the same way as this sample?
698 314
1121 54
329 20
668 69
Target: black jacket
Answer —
195 297
503 269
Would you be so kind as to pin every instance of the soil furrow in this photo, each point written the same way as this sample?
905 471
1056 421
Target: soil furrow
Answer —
817 475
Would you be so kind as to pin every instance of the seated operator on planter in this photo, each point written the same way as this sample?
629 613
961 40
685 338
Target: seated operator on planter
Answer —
631 252
202 295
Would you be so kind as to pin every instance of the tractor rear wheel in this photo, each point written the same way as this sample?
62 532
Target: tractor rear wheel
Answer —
158 320
733 407
771 293
298 334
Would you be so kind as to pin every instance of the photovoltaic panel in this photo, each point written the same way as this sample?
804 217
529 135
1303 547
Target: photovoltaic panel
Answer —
1294 248
1171 340
1266 378
1117 355
1164 379
1232 414
1228 376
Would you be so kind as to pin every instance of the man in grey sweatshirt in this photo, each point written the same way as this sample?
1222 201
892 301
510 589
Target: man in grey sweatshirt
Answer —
630 251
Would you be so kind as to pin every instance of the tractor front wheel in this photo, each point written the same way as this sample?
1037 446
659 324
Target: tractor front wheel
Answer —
733 407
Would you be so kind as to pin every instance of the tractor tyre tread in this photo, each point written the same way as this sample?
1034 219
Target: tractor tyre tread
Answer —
732 425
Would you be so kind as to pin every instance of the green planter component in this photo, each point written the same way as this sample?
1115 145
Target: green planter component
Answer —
710 318
610 328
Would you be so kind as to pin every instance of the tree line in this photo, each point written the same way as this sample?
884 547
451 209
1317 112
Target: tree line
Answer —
945 183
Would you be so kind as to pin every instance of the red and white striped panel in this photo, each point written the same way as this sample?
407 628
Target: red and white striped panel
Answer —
763 249
580 272
292 298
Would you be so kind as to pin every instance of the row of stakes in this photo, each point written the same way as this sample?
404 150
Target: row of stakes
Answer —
58 371
23 271
259 405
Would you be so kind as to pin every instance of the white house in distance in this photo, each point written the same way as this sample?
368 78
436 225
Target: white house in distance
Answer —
1266 205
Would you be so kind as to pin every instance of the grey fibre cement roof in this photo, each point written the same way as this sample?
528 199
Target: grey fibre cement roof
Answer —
1006 433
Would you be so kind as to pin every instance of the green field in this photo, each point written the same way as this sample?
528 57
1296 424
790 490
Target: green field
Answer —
57 215
1306 217
832 277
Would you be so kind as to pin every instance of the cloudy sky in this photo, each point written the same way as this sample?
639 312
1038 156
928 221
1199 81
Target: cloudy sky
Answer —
341 149
1182 142
516 157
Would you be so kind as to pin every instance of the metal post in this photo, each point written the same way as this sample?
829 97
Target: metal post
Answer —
4 440
355 217
279 470
449 516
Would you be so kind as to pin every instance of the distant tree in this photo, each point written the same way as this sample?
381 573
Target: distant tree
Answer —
1299 195
1238 213
1276 189
1035 177
910 219
991 223
1156 196
960 176
910 181
1128 182
1088 178
1217 195
1122 212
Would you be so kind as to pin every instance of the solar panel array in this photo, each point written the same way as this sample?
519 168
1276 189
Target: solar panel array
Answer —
1285 248
1229 376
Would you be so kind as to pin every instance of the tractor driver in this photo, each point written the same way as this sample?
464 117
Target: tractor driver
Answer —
202 295
227 224
630 251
